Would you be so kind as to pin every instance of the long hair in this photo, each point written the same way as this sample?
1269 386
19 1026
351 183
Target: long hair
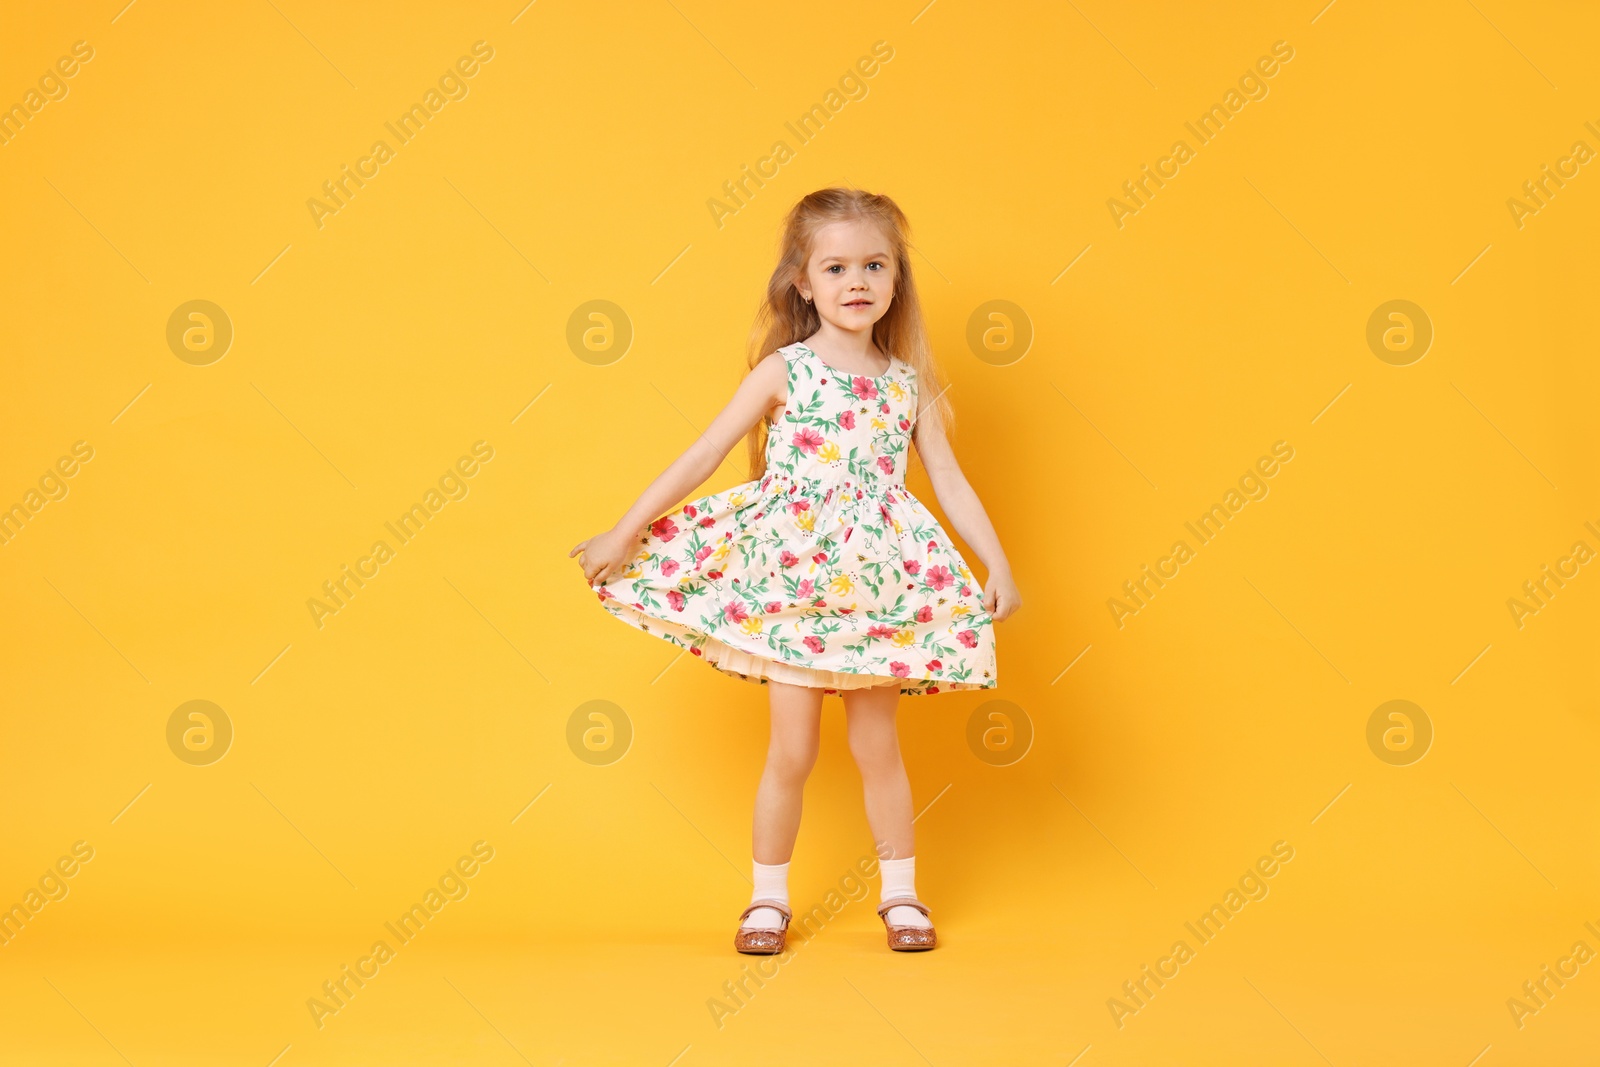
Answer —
786 317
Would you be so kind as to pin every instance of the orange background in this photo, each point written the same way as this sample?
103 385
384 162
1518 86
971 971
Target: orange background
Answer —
1141 372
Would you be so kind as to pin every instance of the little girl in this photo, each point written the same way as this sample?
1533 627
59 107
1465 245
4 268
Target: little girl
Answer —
823 574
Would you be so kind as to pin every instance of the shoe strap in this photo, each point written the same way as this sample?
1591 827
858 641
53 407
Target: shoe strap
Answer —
910 902
776 905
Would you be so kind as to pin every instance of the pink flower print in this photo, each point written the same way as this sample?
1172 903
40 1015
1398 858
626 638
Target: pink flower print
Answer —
734 611
863 388
797 506
905 424
669 567
773 605
968 638
911 566
899 670
664 528
934 665
807 589
939 576
605 593
787 558
708 521
807 440
886 464
966 590
933 546
815 644
676 599
847 419
701 553
879 629
925 613
820 557
690 510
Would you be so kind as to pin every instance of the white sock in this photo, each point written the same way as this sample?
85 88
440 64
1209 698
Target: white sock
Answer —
772 883
899 880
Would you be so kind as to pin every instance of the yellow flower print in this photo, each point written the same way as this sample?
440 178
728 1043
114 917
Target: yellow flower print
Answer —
806 520
737 500
897 391
829 452
722 552
841 584
751 625
960 609
877 423
902 638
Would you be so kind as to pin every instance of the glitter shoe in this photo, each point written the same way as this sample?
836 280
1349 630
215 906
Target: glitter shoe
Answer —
758 942
907 938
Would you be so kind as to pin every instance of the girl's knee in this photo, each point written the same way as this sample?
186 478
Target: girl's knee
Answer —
875 751
792 763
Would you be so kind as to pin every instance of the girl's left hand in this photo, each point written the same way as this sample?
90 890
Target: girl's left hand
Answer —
1001 599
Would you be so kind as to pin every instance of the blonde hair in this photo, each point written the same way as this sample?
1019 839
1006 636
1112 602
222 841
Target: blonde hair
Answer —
786 317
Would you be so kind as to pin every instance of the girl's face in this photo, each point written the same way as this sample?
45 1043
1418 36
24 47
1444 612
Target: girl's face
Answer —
850 275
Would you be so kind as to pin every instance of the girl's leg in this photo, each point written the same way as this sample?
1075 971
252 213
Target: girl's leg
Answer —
875 744
791 753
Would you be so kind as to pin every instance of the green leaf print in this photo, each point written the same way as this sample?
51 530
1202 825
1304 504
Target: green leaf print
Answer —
692 549
784 646
807 413
893 615
873 577
791 587
935 648
643 595
754 594
860 466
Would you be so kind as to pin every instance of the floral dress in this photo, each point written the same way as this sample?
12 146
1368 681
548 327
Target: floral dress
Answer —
826 571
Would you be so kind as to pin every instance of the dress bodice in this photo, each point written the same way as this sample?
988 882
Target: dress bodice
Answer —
839 426
844 440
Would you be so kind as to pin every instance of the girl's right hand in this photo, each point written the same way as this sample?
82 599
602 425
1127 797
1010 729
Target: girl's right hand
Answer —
603 555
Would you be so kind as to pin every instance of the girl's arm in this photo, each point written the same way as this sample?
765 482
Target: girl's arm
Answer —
766 383
764 386
965 511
